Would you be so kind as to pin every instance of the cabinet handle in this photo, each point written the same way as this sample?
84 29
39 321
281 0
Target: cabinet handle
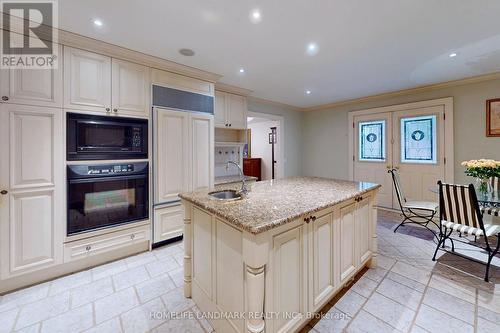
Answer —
132 236
88 248
4 192
108 109
229 125
5 98
313 218
115 110
307 219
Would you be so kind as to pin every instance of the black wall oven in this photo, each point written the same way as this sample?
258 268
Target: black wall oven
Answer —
90 137
102 196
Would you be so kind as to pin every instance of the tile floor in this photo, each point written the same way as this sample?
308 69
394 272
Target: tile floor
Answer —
406 293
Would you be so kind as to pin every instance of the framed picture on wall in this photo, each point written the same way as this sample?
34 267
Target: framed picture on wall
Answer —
493 117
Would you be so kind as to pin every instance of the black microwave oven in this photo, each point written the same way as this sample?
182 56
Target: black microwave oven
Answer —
90 137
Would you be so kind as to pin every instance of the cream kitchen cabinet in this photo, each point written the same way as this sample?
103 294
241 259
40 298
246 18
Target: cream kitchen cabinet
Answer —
364 230
87 81
348 262
184 158
130 88
169 222
32 86
32 191
230 110
97 83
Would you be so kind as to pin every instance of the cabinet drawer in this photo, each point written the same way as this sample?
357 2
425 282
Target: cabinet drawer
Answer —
181 82
91 246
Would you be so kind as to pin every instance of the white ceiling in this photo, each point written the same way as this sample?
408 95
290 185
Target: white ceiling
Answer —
366 47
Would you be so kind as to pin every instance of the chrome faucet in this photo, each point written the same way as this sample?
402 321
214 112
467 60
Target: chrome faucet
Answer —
243 189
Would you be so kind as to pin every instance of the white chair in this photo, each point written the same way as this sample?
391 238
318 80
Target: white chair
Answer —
460 212
417 212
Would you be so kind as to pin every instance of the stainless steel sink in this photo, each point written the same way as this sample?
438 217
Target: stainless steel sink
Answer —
226 195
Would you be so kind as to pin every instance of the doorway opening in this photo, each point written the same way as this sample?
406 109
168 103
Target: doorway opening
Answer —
263 155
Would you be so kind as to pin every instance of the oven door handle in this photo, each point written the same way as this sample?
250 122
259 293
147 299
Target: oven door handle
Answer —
106 178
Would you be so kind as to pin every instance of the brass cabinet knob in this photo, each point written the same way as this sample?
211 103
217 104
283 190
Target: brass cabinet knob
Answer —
4 192
5 98
115 110
313 218
108 109
307 219
88 248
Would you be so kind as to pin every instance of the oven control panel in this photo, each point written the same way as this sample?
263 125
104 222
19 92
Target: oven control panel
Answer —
110 169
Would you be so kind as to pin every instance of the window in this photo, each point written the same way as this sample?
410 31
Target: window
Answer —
372 141
418 140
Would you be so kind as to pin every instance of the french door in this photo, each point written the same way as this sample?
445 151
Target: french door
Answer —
409 140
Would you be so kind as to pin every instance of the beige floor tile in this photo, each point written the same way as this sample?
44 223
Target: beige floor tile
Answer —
390 311
376 274
400 293
364 286
177 276
140 319
411 272
76 320
385 262
153 288
190 325
203 321
449 304
488 315
333 321
30 329
486 326
406 281
366 323
140 259
7 320
115 304
176 302
91 292
167 251
24 296
489 300
130 277
433 320
418 329
161 267
350 303
109 269
110 326
69 282
455 288
43 309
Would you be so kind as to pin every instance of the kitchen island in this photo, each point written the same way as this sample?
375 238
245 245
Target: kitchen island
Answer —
266 262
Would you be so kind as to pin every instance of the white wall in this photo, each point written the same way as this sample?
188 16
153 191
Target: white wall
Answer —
262 149
324 133
292 131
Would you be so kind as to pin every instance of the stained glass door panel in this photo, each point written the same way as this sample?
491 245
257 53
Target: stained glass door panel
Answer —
418 140
372 141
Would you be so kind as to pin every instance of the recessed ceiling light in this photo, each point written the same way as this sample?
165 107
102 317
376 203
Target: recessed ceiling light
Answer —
312 48
98 22
255 16
452 55
308 92
242 70
186 52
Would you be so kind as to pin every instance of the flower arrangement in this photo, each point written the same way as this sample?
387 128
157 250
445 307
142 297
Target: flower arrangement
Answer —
482 170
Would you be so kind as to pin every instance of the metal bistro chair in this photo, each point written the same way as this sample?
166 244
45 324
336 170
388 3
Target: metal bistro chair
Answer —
495 211
460 212
416 212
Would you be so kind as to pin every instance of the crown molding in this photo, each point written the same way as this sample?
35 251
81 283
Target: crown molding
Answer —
416 90
232 89
94 45
277 104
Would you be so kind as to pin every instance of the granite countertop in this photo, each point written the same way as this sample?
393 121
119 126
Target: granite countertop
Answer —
272 203
231 179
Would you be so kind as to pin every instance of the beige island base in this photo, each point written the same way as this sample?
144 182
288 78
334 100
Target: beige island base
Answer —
266 263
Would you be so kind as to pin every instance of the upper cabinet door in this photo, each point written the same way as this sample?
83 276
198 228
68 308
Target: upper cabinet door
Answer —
87 80
32 86
130 88
237 111
221 101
